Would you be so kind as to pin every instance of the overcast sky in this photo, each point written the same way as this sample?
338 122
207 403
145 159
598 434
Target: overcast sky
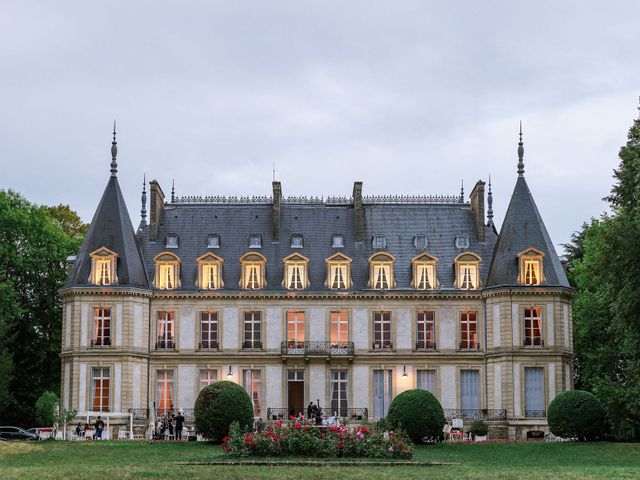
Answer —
408 96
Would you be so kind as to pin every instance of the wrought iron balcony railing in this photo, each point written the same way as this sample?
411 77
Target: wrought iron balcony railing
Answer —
165 344
316 348
422 346
535 413
354 414
533 342
143 413
382 346
104 342
208 345
469 346
252 345
470 415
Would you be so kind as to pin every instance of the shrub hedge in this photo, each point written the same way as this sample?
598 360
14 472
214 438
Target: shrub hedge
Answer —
576 414
220 404
419 413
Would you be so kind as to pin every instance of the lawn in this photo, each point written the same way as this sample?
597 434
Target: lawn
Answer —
114 460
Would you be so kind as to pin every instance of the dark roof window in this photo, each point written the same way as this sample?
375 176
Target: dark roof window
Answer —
420 242
379 241
337 241
255 241
213 241
296 241
462 241
172 241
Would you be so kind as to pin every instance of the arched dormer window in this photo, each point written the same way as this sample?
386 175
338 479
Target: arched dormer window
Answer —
103 267
209 272
467 271
338 272
530 262
167 275
252 271
381 271
424 272
296 273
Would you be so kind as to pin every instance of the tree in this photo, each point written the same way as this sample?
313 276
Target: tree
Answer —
69 221
47 409
33 252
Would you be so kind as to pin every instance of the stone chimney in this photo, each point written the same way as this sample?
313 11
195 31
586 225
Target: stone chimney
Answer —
277 201
477 208
157 206
358 211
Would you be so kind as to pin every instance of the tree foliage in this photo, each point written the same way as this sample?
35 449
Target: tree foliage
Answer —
46 409
607 305
576 414
33 252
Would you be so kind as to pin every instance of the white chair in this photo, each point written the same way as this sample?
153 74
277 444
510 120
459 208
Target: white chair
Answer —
88 434
123 435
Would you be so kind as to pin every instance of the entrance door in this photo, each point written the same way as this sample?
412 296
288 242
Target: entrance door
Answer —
295 392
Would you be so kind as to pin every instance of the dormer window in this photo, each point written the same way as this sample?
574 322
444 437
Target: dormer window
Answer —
296 241
172 241
462 241
530 262
103 267
255 241
252 276
337 241
167 271
209 272
295 272
379 242
381 271
338 272
467 271
424 272
420 242
213 241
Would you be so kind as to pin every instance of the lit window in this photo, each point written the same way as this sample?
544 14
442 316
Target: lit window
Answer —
252 331
253 271
469 331
420 242
531 267
103 267
467 271
100 398
165 329
252 383
296 241
337 241
255 241
101 327
208 330
295 329
213 241
533 327
381 271
382 331
339 329
338 272
295 268
172 241
209 272
164 391
379 241
167 274
424 272
425 331
462 241
207 377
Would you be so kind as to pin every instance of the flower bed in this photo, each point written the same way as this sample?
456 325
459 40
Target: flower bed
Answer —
302 438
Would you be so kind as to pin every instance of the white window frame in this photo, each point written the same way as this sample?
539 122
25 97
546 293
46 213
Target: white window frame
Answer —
339 393
252 383
100 375
209 336
382 336
165 332
101 315
252 330
427 339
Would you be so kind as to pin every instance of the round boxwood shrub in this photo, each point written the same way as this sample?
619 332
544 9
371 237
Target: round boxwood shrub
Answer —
220 404
576 414
419 413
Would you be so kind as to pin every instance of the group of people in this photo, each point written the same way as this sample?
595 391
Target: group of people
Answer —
170 422
314 413
98 428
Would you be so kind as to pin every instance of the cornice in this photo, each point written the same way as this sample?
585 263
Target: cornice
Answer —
111 290
528 290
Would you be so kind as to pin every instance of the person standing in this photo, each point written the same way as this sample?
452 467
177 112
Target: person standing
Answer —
310 410
79 431
179 424
99 426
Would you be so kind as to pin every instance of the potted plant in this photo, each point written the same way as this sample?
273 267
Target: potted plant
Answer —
479 430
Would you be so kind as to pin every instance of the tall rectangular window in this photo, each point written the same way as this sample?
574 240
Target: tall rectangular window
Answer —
425 331
532 272
252 383
295 329
296 276
207 377
339 328
382 331
253 276
426 380
209 330
338 275
101 326
164 391
165 330
100 389
382 276
424 276
167 276
468 273
534 392
210 276
469 390
252 330
533 327
468 331
382 391
103 271
339 402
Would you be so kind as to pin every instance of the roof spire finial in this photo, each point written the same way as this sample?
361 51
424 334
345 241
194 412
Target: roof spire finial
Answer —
490 205
462 192
520 154
114 153
143 211
173 190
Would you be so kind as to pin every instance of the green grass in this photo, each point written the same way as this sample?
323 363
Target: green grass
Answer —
114 460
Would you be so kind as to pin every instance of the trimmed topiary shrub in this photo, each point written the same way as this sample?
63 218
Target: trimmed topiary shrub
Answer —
576 414
479 428
419 413
220 404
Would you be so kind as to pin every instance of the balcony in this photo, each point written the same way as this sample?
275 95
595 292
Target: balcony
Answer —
104 342
208 346
535 413
308 349
533 342
469 347
353 414
166 344
382 346
471 415
252 346
425 346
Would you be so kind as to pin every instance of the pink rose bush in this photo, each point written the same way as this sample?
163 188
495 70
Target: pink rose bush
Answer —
302 438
